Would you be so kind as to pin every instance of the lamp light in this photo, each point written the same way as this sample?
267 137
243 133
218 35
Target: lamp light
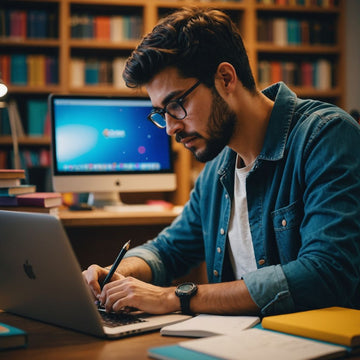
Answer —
3 88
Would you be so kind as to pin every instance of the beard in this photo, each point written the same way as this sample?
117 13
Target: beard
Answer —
220 127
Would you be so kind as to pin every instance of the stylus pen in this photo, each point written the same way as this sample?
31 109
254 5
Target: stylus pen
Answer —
122 252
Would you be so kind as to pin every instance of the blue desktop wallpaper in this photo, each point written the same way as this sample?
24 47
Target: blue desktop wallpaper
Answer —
108 136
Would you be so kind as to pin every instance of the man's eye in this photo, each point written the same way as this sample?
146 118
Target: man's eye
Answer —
173 106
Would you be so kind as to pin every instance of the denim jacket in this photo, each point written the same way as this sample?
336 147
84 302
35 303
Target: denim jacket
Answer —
303 196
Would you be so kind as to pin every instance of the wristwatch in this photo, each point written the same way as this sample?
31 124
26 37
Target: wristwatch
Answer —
185 292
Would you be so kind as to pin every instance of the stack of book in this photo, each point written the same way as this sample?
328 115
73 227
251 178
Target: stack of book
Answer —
15 196
329 333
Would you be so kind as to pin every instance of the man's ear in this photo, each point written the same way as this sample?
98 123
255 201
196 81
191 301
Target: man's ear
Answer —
225 77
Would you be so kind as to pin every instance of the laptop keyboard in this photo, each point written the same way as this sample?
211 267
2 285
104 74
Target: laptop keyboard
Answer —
114 319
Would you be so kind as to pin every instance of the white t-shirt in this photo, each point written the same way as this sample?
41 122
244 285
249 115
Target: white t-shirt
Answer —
241 248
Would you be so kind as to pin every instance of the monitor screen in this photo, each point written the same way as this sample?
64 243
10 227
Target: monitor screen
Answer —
106 145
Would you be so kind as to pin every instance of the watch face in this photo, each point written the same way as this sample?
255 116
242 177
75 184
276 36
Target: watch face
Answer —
186 289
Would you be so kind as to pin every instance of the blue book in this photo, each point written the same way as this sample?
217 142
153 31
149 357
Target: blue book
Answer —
41 24
36 113
8 200
17 190
92 72
176 352
32 19
12 337
18 72
293 27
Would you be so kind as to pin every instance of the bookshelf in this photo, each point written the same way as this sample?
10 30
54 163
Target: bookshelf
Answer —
86 42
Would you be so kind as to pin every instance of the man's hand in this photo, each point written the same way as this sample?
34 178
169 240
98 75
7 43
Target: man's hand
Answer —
132 293
95 275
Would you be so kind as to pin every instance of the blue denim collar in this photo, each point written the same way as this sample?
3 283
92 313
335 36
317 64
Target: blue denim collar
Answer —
280 121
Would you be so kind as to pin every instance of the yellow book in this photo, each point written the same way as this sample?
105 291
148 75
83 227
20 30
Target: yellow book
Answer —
334 324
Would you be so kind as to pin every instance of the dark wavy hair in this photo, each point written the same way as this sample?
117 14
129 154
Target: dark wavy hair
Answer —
193 40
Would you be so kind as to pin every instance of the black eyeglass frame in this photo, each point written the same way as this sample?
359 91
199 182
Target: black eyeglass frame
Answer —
179 101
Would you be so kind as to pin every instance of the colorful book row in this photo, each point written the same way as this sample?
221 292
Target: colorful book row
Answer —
30 70
36 122
289 31
317 74
114 28
31 158
86 72
28 24
321 3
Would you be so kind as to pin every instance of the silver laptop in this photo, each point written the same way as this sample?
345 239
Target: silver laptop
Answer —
40 278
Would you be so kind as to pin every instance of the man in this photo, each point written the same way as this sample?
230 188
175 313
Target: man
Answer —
276 211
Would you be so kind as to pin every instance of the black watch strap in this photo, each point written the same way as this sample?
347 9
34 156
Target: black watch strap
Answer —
185 292
185 305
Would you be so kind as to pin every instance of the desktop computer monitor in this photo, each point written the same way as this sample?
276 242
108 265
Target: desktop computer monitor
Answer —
105 145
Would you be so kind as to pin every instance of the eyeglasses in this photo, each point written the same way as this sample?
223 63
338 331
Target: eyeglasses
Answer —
174 108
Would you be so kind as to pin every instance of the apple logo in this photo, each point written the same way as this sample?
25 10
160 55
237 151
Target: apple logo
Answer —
29 270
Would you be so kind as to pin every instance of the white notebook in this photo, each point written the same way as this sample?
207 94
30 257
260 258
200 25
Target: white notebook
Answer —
208 325
257 344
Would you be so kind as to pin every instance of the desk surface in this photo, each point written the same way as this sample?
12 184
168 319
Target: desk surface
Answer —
107 218
54 343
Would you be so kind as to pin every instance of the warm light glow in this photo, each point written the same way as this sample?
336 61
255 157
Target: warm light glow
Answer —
3 90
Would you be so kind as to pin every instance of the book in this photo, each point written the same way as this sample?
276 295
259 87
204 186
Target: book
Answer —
17 190
10 200
255 343
337 325
42 199
77 70
252 344
12 174
176 352
9 182
18 69
12 337
205 325
36 209
37 111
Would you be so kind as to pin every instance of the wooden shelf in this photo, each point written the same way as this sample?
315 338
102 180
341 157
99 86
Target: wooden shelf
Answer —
23 89
96 44
297 8
26 43
246 13
26 141
298 49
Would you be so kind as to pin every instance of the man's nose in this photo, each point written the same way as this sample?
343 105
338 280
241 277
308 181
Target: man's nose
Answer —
173 126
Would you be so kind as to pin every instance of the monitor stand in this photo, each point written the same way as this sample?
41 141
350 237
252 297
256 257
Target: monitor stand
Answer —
104 198
111 201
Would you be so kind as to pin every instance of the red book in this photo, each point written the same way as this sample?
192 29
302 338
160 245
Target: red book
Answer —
102 27
276 71
43 199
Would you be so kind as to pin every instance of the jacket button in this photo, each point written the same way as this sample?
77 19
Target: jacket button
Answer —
222 231
261 262
283 222
216 273
218 250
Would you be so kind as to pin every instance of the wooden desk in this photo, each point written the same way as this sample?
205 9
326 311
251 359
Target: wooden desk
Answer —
47 342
